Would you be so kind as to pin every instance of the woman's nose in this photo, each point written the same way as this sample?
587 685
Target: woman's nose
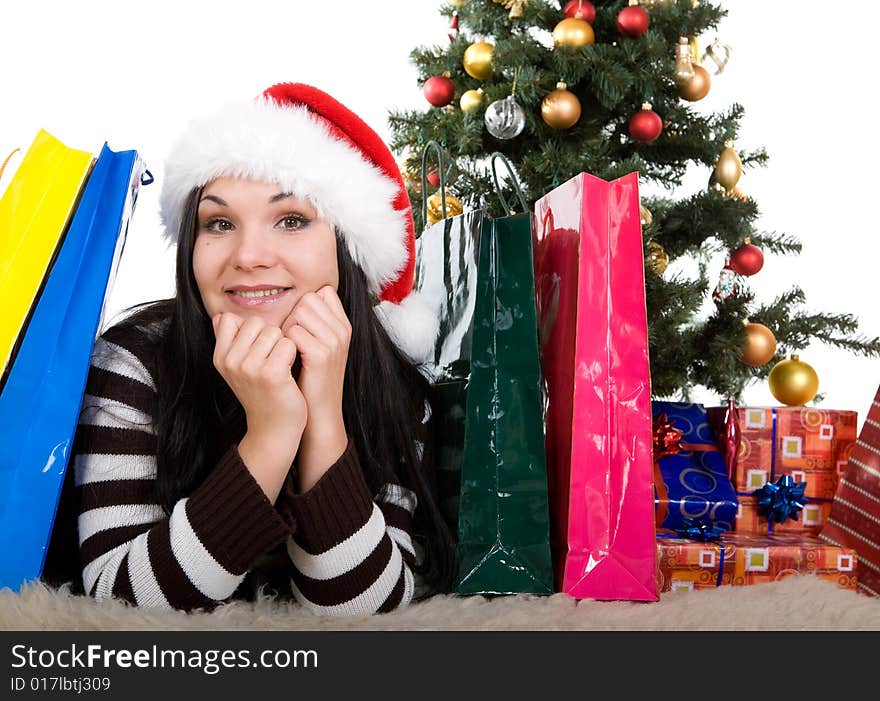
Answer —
253 249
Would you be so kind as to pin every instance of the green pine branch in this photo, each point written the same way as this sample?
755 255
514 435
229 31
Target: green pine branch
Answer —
612 78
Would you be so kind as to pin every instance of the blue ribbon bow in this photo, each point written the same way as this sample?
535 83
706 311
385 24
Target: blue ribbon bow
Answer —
781 500
702 531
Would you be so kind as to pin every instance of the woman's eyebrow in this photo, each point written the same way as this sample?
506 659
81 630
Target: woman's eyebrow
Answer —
214 198
280 196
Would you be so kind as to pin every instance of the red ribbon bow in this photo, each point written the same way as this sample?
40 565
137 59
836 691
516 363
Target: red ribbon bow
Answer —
667 438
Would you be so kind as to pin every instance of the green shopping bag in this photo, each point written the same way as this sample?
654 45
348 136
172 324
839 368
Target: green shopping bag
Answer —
486 375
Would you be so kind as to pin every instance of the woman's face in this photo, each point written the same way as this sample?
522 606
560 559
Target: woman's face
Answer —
259 249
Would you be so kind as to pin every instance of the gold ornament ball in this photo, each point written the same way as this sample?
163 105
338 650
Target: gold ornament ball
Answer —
657 259
560 109
728 168
573 33
793 382
435 207
478 60
458 3
698 87
760 345
471 100
646 216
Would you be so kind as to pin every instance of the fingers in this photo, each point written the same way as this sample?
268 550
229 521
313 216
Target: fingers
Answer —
283 355
316 329
306 344
322 315
244 345
328 294
241 344
228 321
226 328
318 322
254 357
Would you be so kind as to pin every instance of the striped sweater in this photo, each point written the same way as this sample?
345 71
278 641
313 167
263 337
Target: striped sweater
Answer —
344 550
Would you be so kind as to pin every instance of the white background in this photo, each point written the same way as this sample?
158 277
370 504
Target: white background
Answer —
133 73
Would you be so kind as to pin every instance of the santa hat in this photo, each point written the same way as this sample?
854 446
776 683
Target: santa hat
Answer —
317 149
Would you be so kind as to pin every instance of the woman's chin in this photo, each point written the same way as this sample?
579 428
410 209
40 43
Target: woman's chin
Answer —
271 314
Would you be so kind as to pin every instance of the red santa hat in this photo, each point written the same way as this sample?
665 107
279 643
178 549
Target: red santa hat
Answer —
316 148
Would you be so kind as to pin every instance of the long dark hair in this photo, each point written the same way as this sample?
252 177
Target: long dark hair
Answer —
382 404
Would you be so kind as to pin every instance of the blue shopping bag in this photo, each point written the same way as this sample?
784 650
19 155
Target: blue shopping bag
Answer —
40 400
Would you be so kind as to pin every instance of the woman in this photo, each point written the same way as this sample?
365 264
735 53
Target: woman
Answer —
267 425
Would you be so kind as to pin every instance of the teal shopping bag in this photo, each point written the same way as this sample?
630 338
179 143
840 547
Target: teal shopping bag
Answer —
485 370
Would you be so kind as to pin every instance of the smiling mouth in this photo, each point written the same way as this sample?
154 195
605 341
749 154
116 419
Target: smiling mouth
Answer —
255 298
255 294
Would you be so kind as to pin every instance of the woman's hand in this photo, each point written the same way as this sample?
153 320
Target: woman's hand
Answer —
321 331
255 359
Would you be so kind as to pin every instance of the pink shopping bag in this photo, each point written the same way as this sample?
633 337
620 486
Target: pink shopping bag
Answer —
589 280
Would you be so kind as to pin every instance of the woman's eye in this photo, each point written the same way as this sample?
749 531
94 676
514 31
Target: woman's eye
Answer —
292 222
218 225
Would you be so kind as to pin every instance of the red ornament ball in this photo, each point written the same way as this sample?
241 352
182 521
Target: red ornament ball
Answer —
434 178
747 259
633 21
439 90
645 126
581 9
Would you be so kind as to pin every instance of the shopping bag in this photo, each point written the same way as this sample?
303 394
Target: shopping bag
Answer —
485 370
589 275
41 399
34 212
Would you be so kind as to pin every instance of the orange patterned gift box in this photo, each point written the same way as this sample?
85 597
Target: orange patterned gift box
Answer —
810 520
741 559
811 445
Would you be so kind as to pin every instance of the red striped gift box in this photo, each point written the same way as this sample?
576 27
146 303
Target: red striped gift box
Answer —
855 513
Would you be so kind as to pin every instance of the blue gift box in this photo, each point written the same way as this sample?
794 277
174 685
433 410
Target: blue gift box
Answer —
691 486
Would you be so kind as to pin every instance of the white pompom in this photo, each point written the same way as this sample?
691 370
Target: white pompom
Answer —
412 326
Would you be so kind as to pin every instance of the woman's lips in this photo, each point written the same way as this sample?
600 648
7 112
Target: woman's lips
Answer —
260 301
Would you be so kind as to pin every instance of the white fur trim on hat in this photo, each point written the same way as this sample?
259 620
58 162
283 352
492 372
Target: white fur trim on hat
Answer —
287 145
412 326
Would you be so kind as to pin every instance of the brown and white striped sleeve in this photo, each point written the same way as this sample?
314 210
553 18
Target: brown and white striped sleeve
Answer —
129 548
352 554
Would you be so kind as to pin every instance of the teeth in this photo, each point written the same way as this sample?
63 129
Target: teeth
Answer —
258 293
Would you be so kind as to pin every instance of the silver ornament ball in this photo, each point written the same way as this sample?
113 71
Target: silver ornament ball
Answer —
505 119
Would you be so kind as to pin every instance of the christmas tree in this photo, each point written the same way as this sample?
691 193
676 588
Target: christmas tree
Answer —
610 88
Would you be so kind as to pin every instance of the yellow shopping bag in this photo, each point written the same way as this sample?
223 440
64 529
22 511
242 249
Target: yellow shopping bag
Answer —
34 213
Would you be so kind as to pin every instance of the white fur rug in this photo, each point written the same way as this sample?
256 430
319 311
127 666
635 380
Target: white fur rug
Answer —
797 603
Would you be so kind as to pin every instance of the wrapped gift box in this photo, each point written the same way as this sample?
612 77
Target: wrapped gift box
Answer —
810 520
692 483
741 559
855 514
809 444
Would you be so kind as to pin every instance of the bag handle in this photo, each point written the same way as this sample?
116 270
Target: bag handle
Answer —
548 222
441 171
6 162
508 210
